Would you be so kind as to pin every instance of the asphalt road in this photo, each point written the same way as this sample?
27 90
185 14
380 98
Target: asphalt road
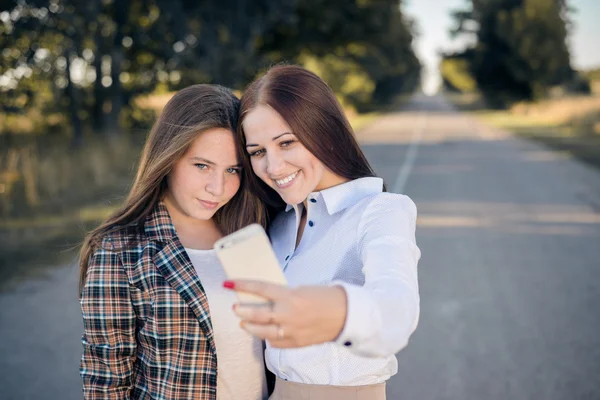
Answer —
510 271
509 276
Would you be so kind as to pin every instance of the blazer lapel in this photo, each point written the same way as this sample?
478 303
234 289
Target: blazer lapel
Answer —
175 266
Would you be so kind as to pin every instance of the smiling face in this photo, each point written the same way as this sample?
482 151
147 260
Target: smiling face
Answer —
281 160
205 178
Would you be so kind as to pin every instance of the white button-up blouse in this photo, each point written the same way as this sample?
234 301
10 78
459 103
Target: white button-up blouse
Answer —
364 240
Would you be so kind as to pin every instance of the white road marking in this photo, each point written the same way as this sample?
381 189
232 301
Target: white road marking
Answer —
411 155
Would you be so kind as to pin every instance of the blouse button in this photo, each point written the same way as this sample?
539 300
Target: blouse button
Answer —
287 258
348 344
313 200
310 223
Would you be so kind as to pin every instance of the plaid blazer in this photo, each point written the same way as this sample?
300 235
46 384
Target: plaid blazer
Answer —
147 328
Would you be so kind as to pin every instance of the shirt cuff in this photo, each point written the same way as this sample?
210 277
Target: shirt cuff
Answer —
363 321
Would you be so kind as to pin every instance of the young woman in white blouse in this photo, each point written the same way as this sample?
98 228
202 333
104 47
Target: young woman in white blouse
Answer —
346 246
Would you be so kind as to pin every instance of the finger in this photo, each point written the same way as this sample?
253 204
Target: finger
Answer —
257 314
268 332
270 291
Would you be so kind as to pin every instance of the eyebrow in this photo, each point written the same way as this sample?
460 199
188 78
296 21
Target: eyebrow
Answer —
275 138
205 161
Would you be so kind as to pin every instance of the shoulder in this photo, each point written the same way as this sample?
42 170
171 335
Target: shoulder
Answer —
117 255
118 239
384 203
388 213
121 243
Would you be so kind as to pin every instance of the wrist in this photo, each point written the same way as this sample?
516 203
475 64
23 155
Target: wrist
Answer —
341 306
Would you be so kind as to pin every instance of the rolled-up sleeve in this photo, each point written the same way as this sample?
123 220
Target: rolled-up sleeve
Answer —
384 312
109 329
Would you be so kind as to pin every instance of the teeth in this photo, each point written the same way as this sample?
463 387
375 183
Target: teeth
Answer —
286 180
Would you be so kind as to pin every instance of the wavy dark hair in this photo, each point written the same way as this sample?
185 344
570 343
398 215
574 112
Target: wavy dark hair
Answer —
190 112
316 117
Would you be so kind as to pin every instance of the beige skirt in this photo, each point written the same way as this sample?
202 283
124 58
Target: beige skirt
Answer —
285 390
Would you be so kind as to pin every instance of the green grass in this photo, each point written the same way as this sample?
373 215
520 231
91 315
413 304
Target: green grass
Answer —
568 124
508 120
85 215
359 121
32 244
573 137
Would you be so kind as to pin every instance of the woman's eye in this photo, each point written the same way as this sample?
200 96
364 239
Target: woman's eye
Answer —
257 153
286 143
201 166
233 170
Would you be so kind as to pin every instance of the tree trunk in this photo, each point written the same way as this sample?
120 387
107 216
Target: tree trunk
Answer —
73 103
99 94
94 28
116 92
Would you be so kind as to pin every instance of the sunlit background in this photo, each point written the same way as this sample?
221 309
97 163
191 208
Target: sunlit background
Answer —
485 112
435 21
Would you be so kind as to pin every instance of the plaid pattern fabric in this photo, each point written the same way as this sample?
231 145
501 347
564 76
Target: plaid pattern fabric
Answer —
147 329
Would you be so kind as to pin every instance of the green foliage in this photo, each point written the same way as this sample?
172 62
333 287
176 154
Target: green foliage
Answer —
89 59
347 78
377 64
521 49
592 74
51 176
456 74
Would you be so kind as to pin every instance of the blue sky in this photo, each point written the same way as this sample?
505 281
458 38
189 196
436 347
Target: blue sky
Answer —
434 21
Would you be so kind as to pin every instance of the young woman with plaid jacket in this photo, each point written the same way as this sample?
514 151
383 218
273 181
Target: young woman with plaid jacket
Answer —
157 320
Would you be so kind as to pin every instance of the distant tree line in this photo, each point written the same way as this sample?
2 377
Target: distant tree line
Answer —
89 59
519 49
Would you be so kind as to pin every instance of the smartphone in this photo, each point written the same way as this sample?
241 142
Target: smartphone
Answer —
247 254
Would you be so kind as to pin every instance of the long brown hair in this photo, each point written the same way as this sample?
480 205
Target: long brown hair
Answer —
316 117
189 112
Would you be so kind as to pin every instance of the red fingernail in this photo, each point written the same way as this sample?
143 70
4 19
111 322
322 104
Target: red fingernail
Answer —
234 307
228 285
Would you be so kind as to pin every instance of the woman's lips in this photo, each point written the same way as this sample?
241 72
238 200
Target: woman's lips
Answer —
287 181
208 204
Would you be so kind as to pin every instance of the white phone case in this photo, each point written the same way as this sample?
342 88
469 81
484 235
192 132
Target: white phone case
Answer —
247 254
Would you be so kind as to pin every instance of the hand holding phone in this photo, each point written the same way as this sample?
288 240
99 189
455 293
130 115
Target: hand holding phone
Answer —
247 254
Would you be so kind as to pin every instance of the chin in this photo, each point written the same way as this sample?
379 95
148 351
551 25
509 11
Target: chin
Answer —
291 196
204 216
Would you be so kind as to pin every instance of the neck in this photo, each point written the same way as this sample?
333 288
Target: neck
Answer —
193 233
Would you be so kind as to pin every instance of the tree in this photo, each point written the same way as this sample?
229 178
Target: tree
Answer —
26 34
456 74
363 49
520 49
91 58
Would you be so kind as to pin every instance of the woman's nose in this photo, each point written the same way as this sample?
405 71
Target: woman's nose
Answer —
216 184
275 164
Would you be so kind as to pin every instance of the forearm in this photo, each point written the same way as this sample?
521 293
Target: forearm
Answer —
106 371
109 344
380 319
383 312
